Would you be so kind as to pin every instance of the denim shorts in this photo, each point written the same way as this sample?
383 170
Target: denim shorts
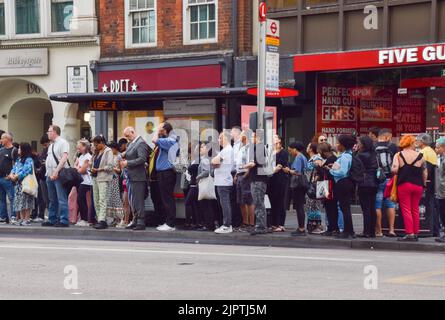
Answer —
379 201
243 193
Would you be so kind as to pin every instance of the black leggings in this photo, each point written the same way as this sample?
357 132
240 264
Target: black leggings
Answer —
82 194
367 198
191 207
299 199
343 192
277 191
331 207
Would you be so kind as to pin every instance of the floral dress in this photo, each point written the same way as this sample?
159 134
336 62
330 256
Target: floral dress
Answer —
22 201
115 208
313 206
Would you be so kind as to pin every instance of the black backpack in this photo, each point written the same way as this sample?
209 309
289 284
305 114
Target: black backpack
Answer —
384 158
357 171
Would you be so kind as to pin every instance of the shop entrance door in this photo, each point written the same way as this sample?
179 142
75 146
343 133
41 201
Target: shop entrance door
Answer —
435 113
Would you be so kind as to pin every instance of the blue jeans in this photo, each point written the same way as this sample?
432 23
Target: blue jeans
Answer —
58 202
6 188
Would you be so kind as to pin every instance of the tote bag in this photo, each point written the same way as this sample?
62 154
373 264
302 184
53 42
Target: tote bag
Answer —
206 189
30 185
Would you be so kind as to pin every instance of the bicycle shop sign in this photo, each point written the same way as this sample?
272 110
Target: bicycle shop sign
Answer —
27 62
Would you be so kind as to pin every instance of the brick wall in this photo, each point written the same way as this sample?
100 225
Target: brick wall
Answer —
170 23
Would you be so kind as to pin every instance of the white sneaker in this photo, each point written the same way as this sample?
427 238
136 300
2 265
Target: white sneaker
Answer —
121 225
82 223
15 222
224 230
25 223
37 220
165 227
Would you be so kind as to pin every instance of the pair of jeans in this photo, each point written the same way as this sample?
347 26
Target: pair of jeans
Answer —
409 199
6 190
225 200
299 200
259 189
166 183
441 209
343 193
367 198
58 202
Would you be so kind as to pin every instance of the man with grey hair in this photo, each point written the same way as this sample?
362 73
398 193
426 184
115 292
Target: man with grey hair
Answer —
440 183
8 155
423 142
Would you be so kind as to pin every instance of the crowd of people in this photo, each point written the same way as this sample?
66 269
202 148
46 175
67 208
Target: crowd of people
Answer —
229 184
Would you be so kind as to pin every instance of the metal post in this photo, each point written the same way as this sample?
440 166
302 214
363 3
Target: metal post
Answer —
262 74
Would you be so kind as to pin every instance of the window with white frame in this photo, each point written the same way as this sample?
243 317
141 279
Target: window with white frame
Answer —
201 21
27 16
141 22
2 18
61 14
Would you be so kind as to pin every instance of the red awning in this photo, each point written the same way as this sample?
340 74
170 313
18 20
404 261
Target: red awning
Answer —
418 83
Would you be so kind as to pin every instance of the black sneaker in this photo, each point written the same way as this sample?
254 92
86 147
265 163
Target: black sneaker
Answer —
258 232
102 225
139 227
408 238
47 224
298 233
346 236
61 225
441 240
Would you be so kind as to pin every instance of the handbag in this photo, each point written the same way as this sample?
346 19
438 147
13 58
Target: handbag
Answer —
324 190
299 182
391 190
206 189
69 177
312 189
30 185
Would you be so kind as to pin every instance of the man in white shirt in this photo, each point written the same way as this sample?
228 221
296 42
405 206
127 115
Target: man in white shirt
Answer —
58 195
223 164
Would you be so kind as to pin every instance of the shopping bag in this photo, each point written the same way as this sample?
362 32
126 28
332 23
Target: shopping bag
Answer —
206 189
30 185
324 190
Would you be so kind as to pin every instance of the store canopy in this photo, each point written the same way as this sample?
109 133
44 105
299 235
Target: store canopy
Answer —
151 95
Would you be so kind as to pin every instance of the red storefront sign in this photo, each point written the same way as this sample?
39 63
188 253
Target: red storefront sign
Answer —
283 93
193 77
348 109
351 60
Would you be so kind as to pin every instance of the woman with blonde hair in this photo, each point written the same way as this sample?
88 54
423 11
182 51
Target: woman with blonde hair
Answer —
85 190
409 165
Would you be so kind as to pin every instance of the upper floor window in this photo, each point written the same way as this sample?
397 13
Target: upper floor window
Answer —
282 4
200 22
61 14
141 23
27 16
2 18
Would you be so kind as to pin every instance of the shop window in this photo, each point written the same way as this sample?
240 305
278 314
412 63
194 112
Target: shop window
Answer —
2 18
277 5
200 21
141 23
27 16
318 3
61 14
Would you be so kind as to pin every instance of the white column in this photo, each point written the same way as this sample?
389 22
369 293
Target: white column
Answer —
84 21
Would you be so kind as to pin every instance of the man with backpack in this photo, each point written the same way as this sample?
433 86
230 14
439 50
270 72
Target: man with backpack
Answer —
385 154
8 155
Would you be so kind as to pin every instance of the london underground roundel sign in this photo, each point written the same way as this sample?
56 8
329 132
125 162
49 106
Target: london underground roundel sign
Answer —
263 12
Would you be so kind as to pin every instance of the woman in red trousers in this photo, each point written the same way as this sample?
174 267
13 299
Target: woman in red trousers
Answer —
411 171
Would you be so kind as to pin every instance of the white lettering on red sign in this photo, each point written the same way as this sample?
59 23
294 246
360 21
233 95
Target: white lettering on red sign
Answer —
412 55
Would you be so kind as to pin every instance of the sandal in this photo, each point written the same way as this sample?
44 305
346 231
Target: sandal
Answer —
391 235
379 235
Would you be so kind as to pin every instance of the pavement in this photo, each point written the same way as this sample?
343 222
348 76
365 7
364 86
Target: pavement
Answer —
283 240
35 268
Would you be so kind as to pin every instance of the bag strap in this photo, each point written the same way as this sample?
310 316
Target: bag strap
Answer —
55 158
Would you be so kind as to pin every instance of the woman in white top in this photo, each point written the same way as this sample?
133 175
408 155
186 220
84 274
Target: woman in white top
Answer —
84 193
